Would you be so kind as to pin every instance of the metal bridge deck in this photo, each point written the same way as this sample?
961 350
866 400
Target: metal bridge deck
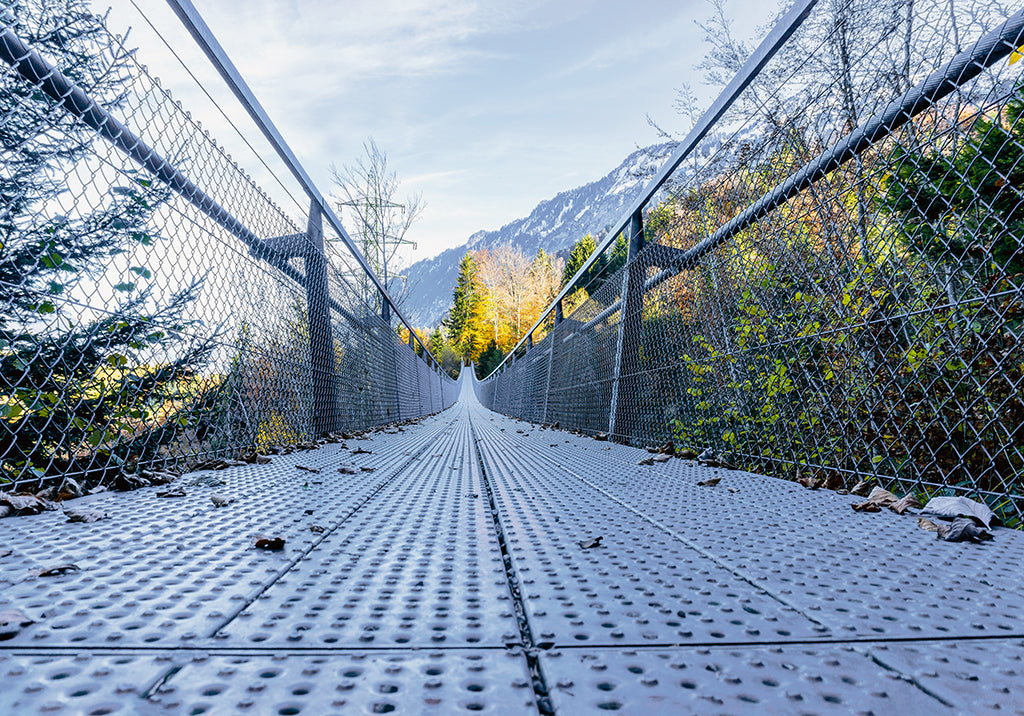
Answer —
451 577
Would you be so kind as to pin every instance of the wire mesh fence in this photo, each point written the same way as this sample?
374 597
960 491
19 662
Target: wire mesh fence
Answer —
833 280
157 307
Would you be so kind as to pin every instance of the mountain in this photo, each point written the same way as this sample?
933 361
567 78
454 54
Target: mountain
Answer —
554 225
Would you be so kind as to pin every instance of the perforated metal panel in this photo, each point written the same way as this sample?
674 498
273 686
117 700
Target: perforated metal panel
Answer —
451 578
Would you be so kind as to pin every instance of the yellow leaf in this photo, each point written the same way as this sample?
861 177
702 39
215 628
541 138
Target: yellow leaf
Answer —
1017 54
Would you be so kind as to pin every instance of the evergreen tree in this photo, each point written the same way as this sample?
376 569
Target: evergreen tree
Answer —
579 254
76 395
965 207
466 320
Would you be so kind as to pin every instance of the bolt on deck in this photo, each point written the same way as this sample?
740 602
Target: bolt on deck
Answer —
451 578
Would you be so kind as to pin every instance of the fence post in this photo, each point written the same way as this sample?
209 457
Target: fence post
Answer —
627 349
551 357
321 336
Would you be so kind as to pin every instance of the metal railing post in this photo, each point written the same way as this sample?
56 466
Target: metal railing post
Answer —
321 335
627 348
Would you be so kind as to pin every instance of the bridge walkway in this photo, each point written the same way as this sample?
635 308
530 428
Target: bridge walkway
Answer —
449 568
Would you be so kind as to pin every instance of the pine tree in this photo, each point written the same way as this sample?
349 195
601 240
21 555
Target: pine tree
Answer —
77 397
466 321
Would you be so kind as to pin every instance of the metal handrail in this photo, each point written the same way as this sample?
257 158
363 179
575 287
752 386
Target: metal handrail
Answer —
771 44
213 50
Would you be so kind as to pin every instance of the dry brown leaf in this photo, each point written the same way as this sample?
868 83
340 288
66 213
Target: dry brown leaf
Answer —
70 489
273 544
317 529
867 507
347 470
599 436
661 457
710 482
907 502
314 470
715 462
646 461
25 504
882 497
811 483
590 543
158 477
256 458
173 492
834 481
861 489
734 489
687 454
927 525
56 571
86 516
360 451
364 468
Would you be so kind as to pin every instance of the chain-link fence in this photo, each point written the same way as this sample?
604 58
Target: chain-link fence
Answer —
157 307
831 282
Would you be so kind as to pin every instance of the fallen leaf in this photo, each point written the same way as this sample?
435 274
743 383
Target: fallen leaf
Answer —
861 489
227 462
87 516
5 510
69 489
127 481
961 507
834 481
219 500
661 457
314 470
56 571
734 489
811 483
927 524
364 468
12 621
963 529
207 481
273 544
866 507
724 464
882 497
646 461
347 470
25 504
907 502
317 529
686 454
173 492
599 436
710 482
159 477
590 543
256 458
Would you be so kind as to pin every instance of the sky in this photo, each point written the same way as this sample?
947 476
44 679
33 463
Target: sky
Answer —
484 107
